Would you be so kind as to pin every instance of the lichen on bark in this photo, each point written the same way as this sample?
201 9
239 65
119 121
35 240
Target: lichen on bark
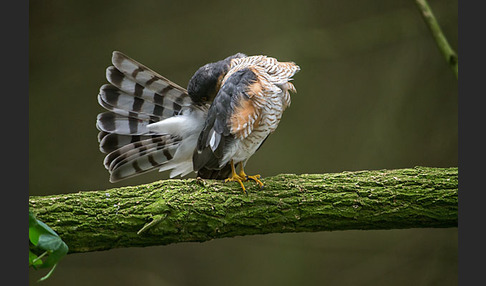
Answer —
172 211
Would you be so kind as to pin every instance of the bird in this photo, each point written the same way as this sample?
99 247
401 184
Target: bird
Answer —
228 110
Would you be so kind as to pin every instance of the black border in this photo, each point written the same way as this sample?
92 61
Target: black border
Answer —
15 115
472 157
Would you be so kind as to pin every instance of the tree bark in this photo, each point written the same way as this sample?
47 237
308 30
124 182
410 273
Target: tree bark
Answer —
172 211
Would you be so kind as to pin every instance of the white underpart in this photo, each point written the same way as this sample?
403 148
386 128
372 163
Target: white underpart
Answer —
242 150
186 126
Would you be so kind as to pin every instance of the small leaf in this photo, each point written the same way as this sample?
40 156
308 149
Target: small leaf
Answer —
32 219
33 229
44 238
38 228
45 227
55 256
49 242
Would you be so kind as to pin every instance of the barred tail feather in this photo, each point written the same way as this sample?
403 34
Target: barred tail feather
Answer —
115 100
135 79
173 101
140 157
129 157
143 75
109 142
139 165
140 148
150 123
171 154
110 122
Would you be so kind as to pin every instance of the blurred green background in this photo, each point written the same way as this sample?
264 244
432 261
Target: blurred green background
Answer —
374 92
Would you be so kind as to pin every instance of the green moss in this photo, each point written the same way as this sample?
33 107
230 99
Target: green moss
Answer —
172 211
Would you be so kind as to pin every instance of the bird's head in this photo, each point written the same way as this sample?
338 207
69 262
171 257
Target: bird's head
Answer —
206 81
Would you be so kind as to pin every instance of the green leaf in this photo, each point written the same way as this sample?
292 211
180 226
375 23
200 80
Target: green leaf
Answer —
32 219
44 238
34 230
57 247
45 228
37 228
49 242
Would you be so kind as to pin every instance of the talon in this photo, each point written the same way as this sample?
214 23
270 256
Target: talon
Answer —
255 178
243 177
236 178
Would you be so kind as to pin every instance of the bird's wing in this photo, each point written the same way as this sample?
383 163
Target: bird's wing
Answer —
233 115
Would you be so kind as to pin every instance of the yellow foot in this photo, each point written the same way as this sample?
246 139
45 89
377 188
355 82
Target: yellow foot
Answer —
253 177
236 178
256 179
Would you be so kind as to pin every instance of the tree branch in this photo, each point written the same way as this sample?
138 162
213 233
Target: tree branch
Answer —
449 54
172 211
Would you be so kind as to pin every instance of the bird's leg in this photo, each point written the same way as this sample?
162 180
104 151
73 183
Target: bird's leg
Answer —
235 177
255 178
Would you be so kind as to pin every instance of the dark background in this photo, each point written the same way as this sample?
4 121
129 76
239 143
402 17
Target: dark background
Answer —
374 92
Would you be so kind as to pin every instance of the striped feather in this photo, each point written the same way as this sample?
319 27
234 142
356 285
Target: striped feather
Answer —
167 150
143 75
112 98
169 96
136 79
172 99
109 142
102 135
135 97
141 158
140 165
113 123
138 147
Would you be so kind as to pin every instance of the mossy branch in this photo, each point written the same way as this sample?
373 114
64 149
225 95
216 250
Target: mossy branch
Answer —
449 54
172 211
